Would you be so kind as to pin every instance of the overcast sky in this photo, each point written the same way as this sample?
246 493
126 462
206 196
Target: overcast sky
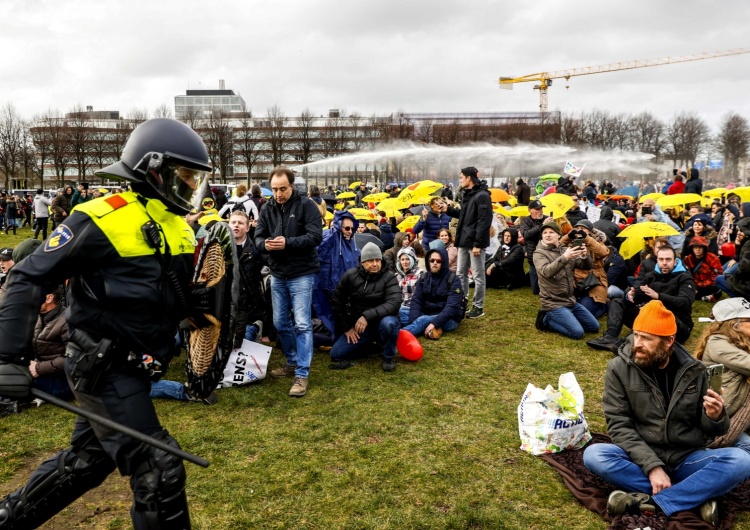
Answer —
372 57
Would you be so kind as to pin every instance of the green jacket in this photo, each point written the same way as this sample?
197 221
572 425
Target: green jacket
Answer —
636 421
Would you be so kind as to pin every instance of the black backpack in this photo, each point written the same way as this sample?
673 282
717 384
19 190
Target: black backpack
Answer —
464 300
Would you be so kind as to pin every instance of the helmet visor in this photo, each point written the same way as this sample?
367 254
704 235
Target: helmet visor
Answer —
177 183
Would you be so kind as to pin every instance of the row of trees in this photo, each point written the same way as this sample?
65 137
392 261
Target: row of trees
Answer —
243 144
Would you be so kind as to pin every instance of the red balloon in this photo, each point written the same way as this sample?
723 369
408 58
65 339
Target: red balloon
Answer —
408 346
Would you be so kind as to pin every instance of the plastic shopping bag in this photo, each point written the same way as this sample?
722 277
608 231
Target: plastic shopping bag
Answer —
247 364
550 421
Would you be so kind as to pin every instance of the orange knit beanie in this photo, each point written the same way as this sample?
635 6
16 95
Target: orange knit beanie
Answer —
655 319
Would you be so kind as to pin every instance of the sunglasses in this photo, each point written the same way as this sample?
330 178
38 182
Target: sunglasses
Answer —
436 261
347 228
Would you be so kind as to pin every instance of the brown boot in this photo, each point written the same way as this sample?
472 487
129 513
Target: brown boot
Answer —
284 371
435 334
299 388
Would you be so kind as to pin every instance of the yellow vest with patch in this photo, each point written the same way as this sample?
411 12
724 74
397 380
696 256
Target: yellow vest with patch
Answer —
121 216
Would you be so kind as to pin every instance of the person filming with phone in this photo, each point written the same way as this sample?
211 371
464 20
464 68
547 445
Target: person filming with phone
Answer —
661 414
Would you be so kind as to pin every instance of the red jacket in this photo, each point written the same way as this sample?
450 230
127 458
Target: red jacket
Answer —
677 187
710 267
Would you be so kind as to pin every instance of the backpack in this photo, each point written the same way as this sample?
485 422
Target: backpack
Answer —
464 299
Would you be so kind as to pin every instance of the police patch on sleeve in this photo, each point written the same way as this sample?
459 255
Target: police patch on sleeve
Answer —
61 236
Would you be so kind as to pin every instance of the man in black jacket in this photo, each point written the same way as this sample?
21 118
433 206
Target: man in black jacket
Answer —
472 235
670 283
531 230
288 232
523 192
365 307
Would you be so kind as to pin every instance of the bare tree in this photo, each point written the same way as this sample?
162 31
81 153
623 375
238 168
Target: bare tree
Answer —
248 139
163 111
11 142
60 142
278 135
79 137
104 146
217 133
42 142
733 142
305 136
28 158
571 130
647 134
137 116
688 136
191 117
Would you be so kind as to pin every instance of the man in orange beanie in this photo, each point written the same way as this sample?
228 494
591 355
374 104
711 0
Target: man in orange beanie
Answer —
670 283
661 415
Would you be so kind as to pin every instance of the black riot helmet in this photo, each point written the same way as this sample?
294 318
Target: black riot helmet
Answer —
164 159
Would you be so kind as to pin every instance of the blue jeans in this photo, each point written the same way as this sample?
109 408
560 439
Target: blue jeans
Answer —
386 331
57 386
704 474
403 315
294 294
721 283
572 322
417 327
466 259
251 332
615 292
168 390
533 279
596 309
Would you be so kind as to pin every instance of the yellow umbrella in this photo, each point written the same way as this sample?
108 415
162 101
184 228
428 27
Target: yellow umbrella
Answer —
716 192
417 190
339 206
409 222
376 197
512 201
519 211
706 202
648 229
346 195
557 204
654 196
743 192
362 214
329 215
354 185
389 206
631 246
498 208
680 199
498 195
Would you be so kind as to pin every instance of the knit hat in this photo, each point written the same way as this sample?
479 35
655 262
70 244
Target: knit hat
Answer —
370 251
437 244
25 248
553 226
586 224
655 319
730 309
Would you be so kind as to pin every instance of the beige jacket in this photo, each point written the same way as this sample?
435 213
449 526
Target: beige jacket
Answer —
736 370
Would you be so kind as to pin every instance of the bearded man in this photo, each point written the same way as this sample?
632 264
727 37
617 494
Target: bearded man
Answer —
661 415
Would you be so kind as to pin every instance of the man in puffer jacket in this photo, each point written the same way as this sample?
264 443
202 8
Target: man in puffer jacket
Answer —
365 307
431 221
437 305
50 339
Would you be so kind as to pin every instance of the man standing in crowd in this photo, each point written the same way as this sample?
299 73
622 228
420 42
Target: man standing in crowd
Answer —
361 193
41 213
120 303
523 193
660 415
669 283
531 230
288 232
365 306
472 235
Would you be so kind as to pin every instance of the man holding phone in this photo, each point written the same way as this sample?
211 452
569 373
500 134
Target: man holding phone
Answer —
661 415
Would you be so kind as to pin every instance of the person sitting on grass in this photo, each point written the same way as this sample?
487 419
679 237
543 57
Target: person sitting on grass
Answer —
407 273
705 266
670 283
661 415
592 298
446 236
554 265
365 307
437 304
505 268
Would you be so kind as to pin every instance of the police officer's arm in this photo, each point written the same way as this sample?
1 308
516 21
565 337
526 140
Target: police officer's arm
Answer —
620 417
74 247
313 229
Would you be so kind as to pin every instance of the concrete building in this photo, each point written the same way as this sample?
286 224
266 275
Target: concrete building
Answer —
200 103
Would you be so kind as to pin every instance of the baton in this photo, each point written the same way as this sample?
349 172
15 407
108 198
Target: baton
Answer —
92 416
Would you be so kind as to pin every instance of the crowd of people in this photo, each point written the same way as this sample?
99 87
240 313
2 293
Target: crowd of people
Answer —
315 274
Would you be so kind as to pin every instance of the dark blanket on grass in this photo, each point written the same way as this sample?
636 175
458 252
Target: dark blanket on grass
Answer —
592 492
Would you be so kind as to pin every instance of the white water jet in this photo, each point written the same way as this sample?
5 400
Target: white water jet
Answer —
522 158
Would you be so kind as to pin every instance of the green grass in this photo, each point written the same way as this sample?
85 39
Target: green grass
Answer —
433 445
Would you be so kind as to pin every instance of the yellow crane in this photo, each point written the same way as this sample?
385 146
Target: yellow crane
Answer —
545 78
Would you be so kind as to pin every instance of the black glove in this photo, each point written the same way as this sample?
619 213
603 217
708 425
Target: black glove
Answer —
15 380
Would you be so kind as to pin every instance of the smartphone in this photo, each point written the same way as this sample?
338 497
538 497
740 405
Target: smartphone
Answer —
646 210
577 243
714 374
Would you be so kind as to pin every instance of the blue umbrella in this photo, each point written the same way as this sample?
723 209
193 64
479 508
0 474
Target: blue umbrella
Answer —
266 192
632 191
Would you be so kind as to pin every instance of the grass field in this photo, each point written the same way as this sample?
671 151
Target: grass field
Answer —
433 445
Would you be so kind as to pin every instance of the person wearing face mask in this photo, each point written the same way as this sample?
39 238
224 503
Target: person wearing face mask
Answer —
365 305
505 268
555 264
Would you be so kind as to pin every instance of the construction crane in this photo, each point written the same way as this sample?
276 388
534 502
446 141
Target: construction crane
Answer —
545 78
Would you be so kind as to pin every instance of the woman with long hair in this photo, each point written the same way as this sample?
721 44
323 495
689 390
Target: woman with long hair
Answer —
727 341
446 236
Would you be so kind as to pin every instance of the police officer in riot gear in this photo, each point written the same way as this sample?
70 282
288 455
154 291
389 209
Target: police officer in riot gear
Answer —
129 260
